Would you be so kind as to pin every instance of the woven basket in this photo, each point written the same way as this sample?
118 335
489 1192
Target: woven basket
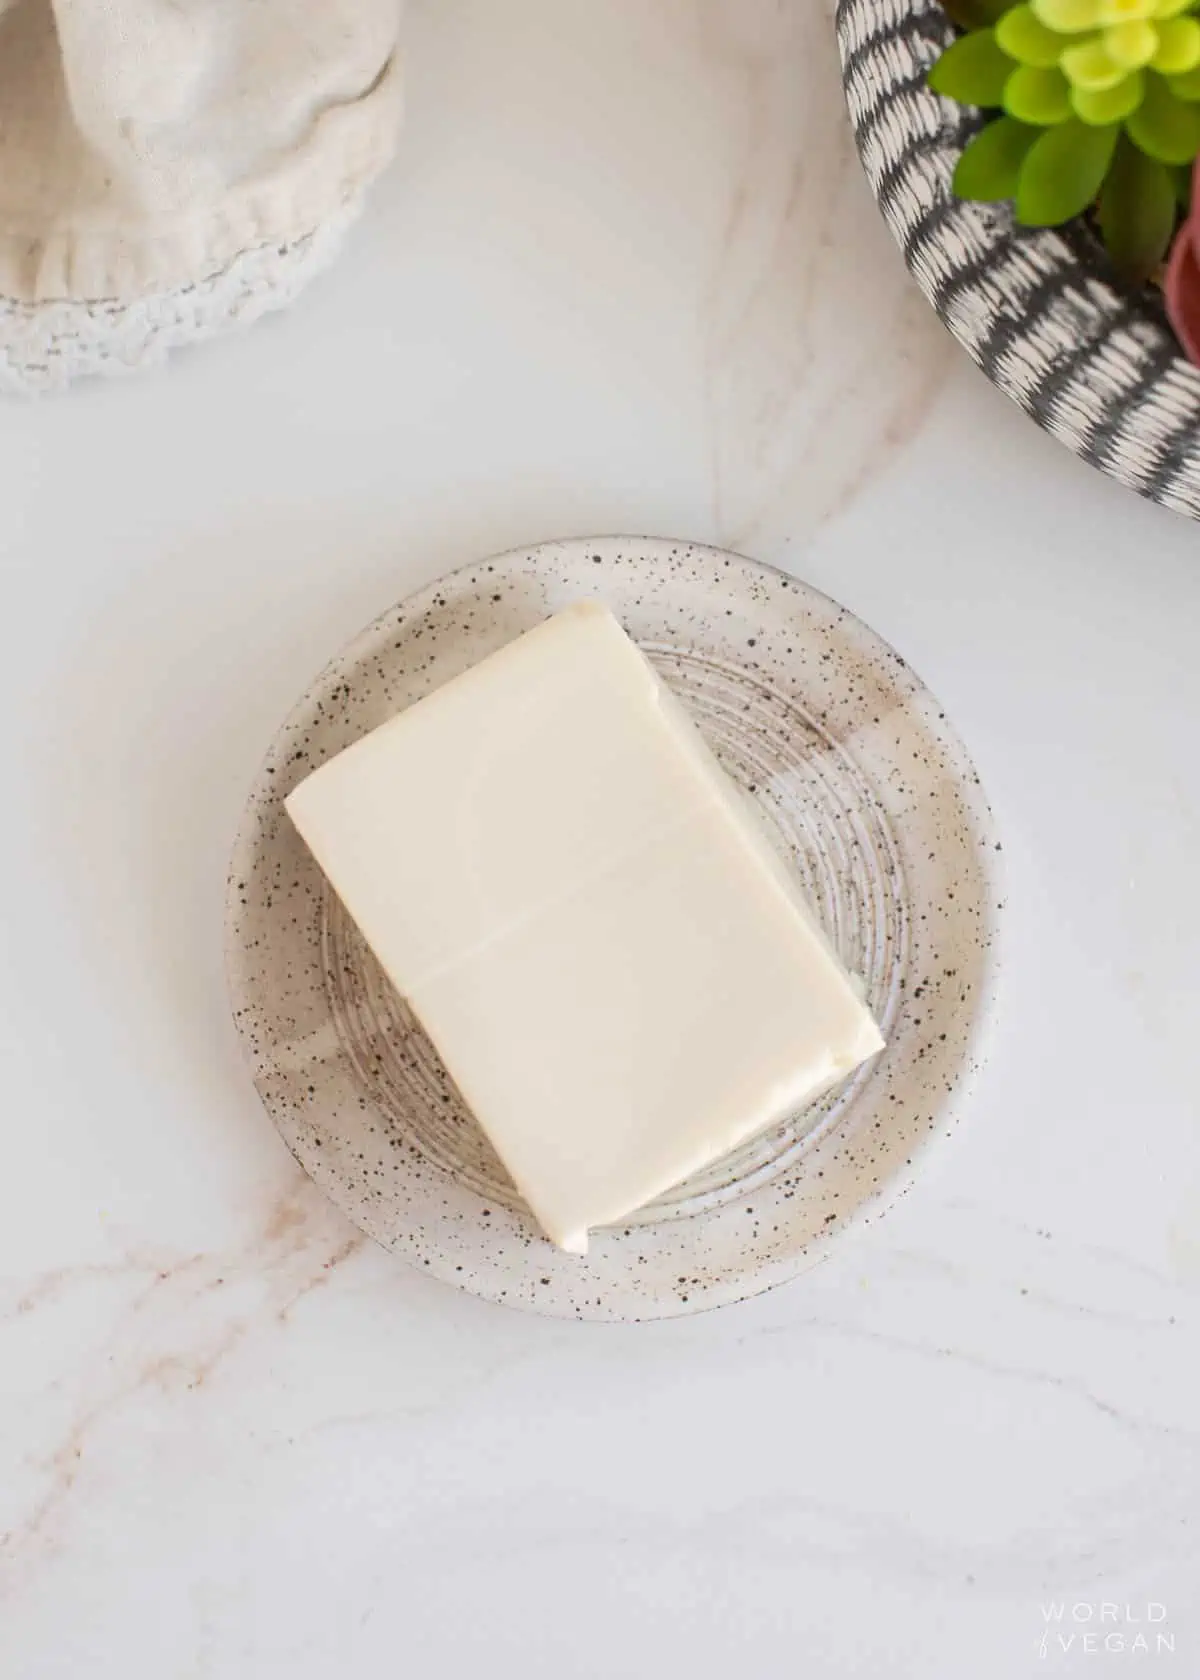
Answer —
1039 312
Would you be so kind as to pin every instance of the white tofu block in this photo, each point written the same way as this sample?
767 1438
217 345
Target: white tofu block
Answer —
615 967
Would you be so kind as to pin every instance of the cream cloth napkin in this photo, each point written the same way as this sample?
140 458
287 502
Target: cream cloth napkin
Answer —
145 143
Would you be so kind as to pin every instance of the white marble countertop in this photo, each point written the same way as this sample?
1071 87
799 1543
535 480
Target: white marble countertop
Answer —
624 276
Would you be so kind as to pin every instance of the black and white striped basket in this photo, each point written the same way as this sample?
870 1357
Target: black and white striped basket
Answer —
1038 311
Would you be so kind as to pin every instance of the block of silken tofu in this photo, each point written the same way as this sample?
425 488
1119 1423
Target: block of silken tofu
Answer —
616 968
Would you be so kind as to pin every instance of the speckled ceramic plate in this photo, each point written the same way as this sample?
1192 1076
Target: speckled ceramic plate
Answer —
866 790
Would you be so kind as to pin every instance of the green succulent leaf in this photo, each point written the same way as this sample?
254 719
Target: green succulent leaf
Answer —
1181 180
973 70
1133 44
977 14
1069 17
1137 212
1178 49
1023 36
1041 97
1089 66
1109 105
1062 173
990 165
1163 126
1186 86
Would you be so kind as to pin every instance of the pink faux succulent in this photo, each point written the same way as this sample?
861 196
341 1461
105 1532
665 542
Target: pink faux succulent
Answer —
1181 284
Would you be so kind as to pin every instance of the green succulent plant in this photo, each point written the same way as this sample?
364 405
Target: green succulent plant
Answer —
1097 102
